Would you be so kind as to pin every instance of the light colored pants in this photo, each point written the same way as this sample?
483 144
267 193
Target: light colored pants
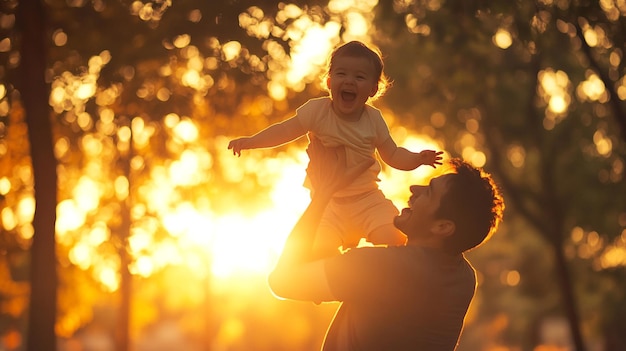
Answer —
355 217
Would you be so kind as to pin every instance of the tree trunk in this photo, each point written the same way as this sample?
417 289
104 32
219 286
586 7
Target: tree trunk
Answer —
34 92
567 291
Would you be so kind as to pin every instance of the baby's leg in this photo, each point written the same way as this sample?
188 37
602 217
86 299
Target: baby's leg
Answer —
387 234
377 215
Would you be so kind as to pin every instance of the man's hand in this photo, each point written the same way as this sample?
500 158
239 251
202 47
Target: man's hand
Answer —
327 168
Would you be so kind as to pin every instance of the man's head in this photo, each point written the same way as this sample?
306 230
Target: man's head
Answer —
457 211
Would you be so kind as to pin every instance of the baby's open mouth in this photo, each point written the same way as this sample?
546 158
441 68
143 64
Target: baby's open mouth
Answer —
348 96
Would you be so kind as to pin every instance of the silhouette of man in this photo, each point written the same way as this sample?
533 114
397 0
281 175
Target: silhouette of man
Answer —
411 297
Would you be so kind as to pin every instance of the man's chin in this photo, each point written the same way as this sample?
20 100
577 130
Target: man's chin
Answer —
399 221
405 212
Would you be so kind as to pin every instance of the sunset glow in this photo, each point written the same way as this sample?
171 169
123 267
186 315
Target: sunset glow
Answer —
163 239
223 245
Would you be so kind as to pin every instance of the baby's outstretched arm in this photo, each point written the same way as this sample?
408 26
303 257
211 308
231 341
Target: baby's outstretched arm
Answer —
272 136
405 160
238 144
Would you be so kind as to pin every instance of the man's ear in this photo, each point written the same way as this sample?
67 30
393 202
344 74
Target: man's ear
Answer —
443 227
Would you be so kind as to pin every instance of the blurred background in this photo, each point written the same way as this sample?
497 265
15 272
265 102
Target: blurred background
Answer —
146 234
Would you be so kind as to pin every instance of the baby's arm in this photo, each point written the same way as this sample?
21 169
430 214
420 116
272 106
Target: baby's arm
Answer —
272 136
405 160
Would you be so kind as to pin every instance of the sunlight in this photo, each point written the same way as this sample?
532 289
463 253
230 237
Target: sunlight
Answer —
165 253
87 194
191 78
98 234
591 36
80 255
70 92
186 170
311 40
510 278
9 222
186 130
592 89
613 256
250 244
516 155
142 266
86 90
25 210
108 275
5 45
557 104
231 244
231 50
554 88
308 55
231 330
357 25
4 110
69 217
182 41
152 11
59 37
344 6
502 38
140 239
621 89
603 143
5 185
243 246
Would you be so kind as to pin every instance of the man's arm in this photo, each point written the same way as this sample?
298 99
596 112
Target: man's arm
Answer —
272 136
298 275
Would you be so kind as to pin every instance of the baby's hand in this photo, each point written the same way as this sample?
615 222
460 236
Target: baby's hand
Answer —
431 158
237 145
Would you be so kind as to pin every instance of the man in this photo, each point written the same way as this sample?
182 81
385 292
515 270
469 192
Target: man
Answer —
411 297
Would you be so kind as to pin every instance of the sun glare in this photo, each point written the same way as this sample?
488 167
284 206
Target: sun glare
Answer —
244 244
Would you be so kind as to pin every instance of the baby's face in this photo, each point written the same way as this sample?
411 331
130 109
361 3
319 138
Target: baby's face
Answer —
352 81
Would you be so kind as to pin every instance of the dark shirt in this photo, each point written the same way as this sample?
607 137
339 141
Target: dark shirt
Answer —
398 298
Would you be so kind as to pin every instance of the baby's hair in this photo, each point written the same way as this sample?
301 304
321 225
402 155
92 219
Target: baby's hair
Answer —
359 49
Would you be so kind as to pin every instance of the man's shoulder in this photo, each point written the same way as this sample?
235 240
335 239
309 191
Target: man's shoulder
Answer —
381 255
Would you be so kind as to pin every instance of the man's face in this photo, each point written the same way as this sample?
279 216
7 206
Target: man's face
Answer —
418 219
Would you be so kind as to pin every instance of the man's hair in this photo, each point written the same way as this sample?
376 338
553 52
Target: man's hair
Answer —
359 49
474 203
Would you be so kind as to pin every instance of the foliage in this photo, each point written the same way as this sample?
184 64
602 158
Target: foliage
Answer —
500 101
145 95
